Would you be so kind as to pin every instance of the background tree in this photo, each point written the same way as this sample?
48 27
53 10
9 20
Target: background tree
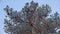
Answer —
32 19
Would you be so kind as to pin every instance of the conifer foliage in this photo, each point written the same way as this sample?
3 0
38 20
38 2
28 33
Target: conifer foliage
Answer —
32 19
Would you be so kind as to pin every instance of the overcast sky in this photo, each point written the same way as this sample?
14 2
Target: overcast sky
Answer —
19 4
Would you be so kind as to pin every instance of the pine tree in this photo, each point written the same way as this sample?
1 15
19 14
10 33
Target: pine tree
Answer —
32 19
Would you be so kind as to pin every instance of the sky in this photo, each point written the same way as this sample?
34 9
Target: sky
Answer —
19 4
